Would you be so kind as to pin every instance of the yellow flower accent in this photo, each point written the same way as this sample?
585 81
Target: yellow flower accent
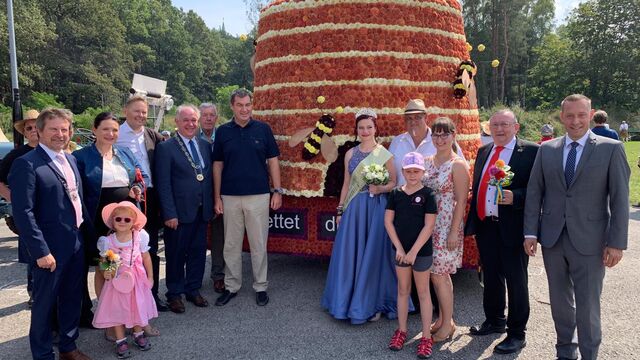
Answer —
243 37
495 63
481 47
320 99
339 109
500 163
469 47
459 86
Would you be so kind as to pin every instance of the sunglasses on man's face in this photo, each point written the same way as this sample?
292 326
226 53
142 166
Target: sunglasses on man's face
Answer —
122 219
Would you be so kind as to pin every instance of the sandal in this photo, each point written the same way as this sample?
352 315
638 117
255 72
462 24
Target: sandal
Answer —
150 331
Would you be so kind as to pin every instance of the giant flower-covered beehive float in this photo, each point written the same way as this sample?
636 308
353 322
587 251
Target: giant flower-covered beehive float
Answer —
335 57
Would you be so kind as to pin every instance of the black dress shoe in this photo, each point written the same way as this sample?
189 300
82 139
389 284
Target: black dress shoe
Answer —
510 345
161 305
176 306
486 328
225 298
262 298
198 300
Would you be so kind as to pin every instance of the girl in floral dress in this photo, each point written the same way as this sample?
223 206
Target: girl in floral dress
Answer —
448 176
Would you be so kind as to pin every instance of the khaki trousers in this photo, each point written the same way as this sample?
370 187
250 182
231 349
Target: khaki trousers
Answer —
250 212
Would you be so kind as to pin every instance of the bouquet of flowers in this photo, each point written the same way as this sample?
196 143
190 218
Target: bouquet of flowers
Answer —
500 175
109 261
375 174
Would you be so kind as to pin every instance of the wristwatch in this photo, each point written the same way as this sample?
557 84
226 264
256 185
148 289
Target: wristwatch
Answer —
278 191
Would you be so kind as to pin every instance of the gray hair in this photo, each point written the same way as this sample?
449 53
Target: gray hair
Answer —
51 113
183 107
207 105
507 112
241 93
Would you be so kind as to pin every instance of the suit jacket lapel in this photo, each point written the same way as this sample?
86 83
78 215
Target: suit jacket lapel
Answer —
480 161
589 146
205 149
49 162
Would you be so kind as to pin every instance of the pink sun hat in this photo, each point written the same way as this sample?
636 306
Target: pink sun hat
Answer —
108 210
413 160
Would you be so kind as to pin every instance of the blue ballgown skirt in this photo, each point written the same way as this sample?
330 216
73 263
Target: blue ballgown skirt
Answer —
362 279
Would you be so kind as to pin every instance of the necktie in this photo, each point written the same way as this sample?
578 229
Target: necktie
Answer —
484 183
194 152
72 189
570 166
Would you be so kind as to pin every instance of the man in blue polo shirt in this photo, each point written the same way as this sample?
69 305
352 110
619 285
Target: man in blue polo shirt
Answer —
600 118
245 154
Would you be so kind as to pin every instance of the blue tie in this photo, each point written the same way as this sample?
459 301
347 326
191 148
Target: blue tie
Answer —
194 152
570 167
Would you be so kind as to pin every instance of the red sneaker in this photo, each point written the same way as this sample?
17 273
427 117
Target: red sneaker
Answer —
397 340
424 348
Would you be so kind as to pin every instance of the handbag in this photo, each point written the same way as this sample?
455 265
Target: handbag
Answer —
125 280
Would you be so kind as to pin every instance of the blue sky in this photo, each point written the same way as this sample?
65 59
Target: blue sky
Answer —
234 12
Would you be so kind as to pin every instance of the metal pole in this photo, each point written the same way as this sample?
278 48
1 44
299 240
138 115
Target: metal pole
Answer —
18 139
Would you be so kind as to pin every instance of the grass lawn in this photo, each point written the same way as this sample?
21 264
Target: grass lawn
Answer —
633 151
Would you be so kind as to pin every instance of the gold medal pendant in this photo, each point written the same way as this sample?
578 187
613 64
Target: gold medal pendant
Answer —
200 177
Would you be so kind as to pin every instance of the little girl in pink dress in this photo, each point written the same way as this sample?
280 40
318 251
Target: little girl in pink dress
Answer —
126 300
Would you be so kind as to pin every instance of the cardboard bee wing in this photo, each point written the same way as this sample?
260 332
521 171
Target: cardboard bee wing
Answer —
471 89
329 149
299 136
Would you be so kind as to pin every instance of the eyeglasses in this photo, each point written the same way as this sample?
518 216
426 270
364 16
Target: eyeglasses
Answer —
121 219
501 125
441 136
414 117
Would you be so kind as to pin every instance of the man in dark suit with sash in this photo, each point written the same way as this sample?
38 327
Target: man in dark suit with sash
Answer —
497 226
183 176
46 191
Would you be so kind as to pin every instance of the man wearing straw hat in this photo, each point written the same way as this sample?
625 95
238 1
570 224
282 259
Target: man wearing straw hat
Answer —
26 127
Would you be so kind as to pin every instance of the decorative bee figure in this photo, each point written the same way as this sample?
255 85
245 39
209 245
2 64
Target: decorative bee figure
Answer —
464 83
318 139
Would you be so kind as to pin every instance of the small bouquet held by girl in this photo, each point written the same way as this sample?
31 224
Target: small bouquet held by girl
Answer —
500 175
125 300
375 174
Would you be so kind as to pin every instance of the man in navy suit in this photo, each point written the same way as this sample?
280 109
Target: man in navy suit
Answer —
46 192
184 182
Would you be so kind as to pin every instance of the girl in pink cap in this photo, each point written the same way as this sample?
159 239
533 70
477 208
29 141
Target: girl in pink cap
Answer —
126 300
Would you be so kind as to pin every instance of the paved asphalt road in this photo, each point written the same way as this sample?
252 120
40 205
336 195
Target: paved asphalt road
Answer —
293 325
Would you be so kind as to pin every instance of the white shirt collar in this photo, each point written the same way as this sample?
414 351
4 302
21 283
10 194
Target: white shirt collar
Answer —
52 154
582 141
427 138
126 128
186 140
511 145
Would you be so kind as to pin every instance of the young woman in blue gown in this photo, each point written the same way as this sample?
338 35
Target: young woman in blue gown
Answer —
361 283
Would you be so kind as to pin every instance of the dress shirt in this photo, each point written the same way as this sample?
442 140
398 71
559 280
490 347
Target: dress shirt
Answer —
53 155
135 142
210 139
186 145
403 144
491 208
567 146
114 173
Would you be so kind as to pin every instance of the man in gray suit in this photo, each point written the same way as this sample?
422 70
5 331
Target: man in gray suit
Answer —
577 207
